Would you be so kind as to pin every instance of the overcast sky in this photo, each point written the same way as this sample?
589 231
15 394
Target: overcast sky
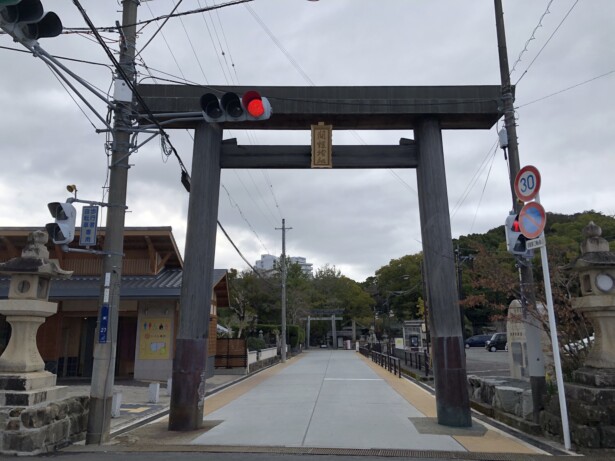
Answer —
357 220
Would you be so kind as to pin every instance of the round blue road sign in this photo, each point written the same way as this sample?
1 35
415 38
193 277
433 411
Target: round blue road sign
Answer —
532 220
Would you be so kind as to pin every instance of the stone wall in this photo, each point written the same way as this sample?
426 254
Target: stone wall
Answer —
505 399
43 428
591 415
591 410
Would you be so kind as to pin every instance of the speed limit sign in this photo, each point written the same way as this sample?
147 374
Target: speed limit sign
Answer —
527 183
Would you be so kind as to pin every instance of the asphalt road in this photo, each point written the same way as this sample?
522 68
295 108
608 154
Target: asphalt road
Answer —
481 362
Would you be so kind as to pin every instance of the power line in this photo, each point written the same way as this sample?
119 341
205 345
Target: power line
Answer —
236 249
547 42
168 46
159 28
227 46
251 196
228 78
61 58
70 30
277 205
483 192
532 37
566 89
164 137
492 150
236 205
292 60
184 174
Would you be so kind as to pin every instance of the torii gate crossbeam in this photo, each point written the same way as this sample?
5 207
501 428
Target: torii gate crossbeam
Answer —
426 110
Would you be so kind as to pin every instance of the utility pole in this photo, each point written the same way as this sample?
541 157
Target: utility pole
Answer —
459 262
105 344
283 334
526 275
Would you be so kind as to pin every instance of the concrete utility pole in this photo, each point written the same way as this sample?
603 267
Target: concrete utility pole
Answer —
105 344
283 334
526 275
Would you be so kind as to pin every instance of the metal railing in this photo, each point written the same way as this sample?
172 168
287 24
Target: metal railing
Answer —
414 359
389 362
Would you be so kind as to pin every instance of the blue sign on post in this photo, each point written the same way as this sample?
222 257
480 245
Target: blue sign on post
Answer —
532 220
89 221
103 327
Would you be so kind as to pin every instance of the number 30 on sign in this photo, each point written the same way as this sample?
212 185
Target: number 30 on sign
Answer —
527 183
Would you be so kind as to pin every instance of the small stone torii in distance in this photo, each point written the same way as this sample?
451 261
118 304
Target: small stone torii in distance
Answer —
426 110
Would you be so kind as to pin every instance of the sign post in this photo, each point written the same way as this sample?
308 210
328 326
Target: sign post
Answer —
532 221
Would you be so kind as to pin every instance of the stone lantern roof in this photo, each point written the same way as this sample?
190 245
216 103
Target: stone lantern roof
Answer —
595 251
34 259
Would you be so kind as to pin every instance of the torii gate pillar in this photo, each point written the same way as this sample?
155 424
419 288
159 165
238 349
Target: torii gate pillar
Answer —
452 400
189 363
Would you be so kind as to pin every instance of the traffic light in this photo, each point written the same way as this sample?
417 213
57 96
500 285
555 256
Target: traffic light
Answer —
62 232
231 107
25 20
515 240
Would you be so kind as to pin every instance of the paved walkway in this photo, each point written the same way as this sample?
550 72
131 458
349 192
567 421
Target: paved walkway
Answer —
320 399
137 406
338 399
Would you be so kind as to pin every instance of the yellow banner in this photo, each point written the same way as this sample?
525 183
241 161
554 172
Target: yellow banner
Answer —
155 338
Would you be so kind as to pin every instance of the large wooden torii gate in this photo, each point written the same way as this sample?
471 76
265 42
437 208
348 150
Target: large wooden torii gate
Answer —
426 110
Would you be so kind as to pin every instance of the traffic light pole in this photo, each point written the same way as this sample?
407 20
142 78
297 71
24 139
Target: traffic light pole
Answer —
105 345
526 275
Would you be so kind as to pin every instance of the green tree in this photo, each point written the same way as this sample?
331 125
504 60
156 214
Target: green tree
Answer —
398 286
250 296
332 290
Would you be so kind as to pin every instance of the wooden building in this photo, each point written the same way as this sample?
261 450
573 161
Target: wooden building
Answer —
149 305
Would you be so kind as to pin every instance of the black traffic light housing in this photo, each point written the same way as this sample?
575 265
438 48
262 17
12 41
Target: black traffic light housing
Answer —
231 107
26 20
515 240
62 231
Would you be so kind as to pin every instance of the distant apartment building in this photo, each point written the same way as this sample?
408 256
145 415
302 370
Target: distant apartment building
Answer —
268 263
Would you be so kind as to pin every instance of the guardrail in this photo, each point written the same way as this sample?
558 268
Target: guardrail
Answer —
414 359
384 360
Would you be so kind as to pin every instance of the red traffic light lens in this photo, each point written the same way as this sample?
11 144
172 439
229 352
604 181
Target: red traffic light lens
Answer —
253 102
256 108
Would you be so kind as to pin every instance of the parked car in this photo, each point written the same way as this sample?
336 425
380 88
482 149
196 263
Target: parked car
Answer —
477 341
497 342
576 347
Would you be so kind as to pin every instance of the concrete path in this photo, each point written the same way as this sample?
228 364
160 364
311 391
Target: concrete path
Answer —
338 399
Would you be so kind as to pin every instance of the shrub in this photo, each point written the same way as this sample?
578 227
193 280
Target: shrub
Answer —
256 344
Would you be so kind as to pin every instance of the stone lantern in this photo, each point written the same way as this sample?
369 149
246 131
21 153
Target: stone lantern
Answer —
35 415
596 269
27 306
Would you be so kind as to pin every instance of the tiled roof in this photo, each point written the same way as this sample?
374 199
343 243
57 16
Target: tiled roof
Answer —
166 284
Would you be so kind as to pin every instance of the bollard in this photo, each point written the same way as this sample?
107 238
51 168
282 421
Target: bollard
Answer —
154 392
169 386
116 404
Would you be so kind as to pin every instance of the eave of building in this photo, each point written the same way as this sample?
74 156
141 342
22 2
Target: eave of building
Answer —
165 285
